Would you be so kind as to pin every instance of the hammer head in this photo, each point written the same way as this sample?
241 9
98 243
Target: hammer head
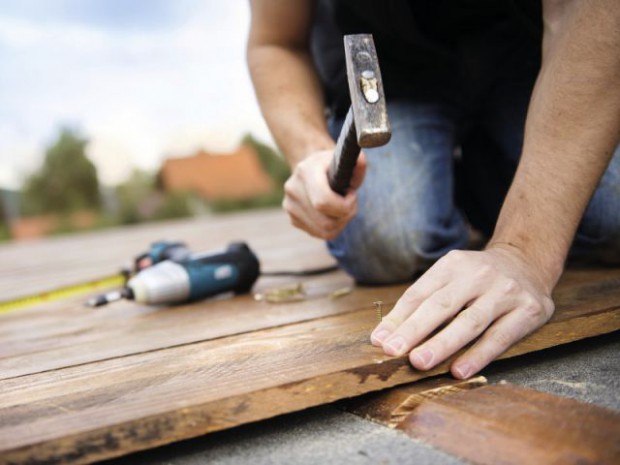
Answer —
366 89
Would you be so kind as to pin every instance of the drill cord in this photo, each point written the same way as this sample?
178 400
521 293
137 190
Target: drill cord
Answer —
309 272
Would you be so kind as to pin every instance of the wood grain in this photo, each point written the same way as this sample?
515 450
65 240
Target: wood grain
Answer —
79 385
513 425
41 265
109 408
391 406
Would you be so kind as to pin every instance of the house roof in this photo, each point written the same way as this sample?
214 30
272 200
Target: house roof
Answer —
237 175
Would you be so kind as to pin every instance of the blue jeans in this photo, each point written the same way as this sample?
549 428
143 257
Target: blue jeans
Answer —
440 172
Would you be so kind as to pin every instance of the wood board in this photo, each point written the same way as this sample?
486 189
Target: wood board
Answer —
80 386
391 406
513 425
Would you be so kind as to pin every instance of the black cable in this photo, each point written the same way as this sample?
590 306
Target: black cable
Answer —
310 272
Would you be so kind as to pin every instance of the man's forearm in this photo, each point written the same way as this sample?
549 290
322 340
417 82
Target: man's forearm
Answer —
572 129
291 99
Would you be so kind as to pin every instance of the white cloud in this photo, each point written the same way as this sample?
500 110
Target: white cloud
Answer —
137 94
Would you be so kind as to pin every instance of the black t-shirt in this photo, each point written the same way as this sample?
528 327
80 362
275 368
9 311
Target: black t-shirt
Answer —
430 50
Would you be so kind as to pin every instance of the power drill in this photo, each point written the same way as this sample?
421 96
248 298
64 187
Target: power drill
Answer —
172 275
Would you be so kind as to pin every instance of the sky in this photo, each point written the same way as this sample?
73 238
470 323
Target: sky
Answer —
142 80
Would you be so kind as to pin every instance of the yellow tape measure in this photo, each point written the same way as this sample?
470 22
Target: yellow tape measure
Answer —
62 293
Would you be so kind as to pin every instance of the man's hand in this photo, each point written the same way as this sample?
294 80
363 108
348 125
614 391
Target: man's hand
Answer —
311 204
495 292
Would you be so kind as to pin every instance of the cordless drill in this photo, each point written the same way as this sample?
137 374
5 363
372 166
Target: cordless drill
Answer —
174 275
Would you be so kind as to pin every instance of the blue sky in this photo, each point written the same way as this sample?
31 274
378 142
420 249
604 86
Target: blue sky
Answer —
142 79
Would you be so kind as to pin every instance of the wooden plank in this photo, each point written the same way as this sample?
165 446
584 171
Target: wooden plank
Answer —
41 265
513 425
75 335
64 334
109 408
79 385
391 406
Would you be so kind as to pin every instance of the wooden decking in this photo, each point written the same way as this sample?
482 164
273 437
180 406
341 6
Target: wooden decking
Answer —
79 384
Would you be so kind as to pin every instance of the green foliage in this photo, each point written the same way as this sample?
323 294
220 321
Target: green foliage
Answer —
273 163
133 193
175 205
5 232
66 182
139 200
228 205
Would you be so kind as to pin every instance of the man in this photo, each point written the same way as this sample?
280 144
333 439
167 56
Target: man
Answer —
531 133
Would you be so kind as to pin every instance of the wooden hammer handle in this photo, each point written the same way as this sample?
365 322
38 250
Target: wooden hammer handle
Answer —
345 157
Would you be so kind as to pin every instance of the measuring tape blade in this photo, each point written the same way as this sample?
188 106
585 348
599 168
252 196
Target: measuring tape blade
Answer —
62 292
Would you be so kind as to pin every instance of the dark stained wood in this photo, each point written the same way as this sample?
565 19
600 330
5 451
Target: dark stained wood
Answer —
513 425
391 406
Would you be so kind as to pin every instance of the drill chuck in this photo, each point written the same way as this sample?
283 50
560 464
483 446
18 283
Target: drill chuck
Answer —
166 282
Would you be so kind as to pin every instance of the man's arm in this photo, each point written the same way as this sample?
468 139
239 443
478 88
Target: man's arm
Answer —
286 82
572 129
291 99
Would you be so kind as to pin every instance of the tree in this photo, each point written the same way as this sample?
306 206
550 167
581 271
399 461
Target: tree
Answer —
131 194
272 162
140 200
66 182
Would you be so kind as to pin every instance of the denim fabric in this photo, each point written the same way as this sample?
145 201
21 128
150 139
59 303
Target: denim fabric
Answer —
406 214
598 236
409 214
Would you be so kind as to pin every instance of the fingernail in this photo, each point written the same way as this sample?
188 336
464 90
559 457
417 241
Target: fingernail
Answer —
394 345
423 358
380 336
464 370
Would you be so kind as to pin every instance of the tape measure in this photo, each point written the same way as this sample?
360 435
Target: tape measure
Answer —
116 280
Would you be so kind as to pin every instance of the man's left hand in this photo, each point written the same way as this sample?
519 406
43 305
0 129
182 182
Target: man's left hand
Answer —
494 292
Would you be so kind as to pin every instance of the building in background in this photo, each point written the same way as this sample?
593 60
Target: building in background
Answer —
233 176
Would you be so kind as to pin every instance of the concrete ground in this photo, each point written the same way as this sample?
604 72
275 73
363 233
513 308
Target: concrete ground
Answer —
587 370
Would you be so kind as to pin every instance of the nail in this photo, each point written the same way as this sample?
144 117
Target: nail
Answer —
394 345
464 370
423 358
380 336
379 310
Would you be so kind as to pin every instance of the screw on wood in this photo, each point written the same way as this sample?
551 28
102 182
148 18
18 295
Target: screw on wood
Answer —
379 310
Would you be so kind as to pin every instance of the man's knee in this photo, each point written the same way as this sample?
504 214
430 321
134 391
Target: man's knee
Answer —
392 254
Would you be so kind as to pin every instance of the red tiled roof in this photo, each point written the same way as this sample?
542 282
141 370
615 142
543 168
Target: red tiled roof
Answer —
238 175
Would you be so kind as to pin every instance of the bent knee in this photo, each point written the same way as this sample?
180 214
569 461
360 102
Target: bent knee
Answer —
391 258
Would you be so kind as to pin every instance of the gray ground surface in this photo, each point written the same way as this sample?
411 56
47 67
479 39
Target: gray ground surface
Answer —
587 370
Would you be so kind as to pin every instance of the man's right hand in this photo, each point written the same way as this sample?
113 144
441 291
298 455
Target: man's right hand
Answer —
311 204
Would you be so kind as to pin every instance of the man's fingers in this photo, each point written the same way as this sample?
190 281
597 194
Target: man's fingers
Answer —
332 204
311 221
311 203
406 305
496 340
465 327
433 280
430 314
359 172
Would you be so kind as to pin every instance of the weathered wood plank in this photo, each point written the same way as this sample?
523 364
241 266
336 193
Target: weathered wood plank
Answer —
41 265
113 407
513 425
64 334
391 406
78 386
77 335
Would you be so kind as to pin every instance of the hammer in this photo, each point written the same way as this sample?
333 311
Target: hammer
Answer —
366 124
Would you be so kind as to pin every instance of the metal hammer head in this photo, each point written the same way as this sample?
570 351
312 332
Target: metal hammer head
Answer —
366 89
